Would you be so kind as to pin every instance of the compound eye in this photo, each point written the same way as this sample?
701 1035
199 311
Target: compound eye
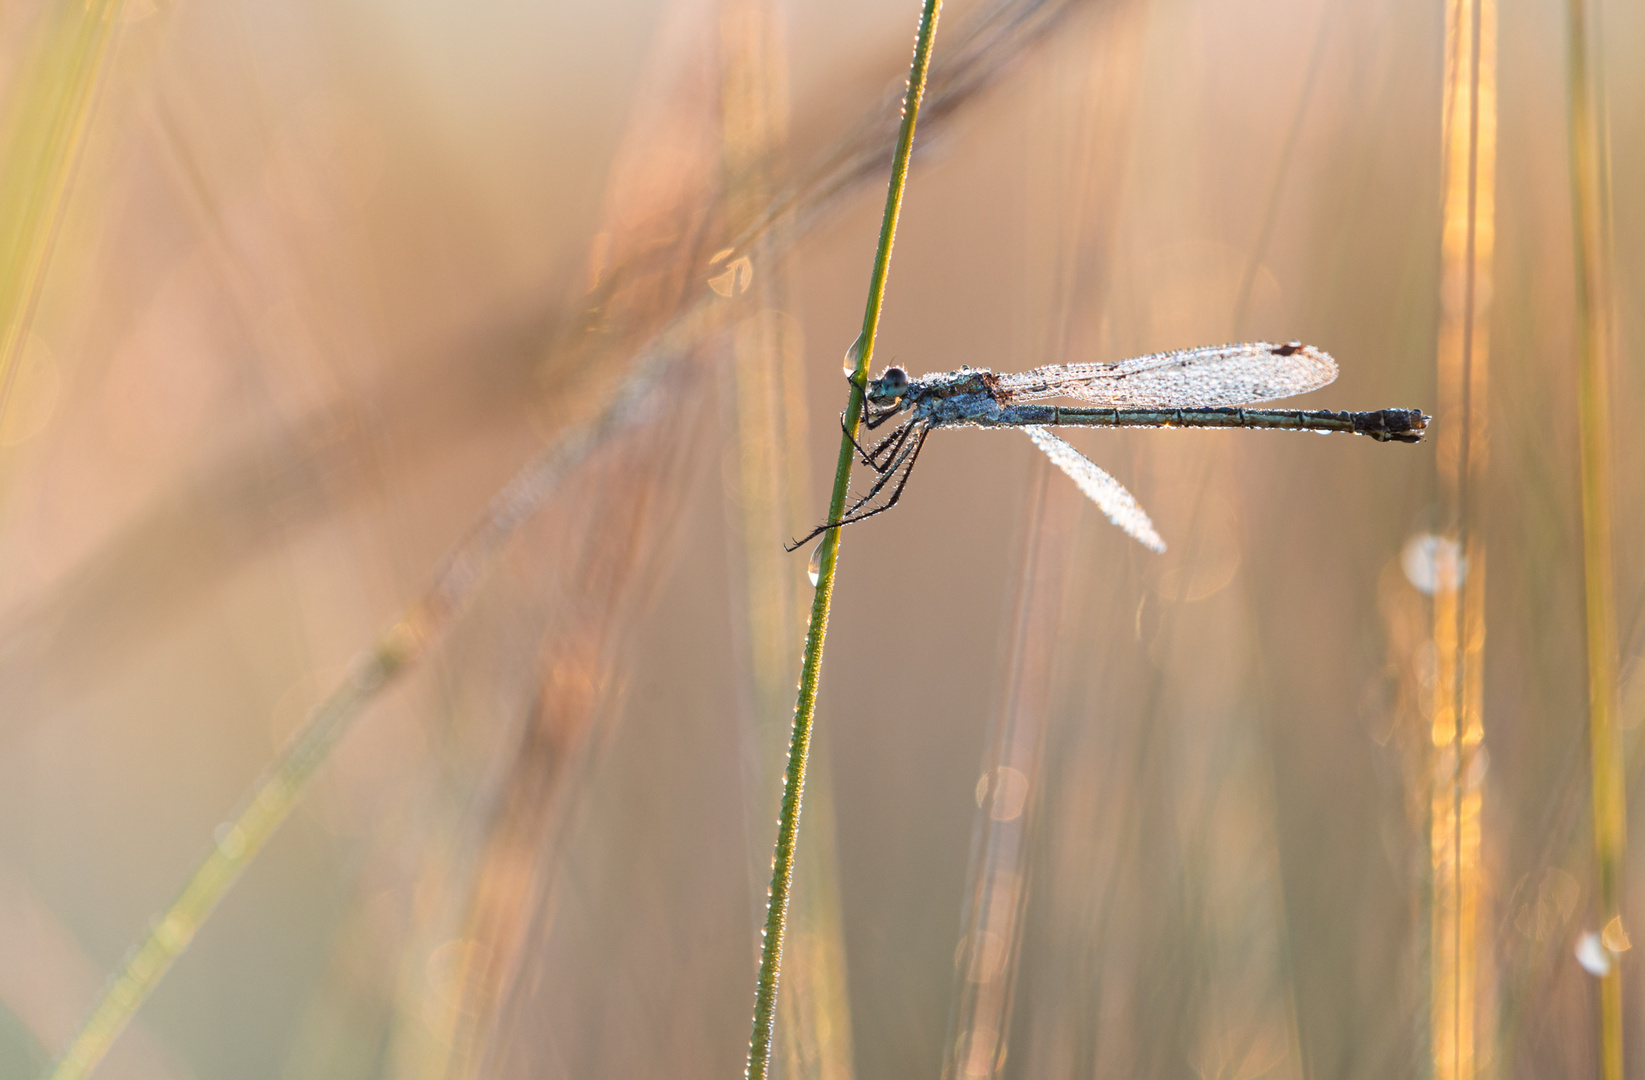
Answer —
891 385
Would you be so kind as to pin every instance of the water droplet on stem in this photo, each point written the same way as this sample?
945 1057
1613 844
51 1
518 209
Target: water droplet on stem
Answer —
851 355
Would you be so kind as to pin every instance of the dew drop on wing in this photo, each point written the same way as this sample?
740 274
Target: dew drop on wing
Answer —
813 569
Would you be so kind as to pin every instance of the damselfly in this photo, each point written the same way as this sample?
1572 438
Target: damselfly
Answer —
1206 387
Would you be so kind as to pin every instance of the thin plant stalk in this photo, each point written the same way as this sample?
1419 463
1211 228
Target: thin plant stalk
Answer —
40 144
1459 987
764 351
1590 246
788 824
237 842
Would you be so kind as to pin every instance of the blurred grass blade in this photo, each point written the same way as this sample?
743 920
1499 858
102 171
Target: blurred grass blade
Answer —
1072 173
986 968
238 842
506 905
1461 999
1590 243
862 351
273 797
48 113
771 465
230 513
507 901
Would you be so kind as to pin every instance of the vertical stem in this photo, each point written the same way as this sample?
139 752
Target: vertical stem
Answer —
1460 987
813 1020
1589 245
788 823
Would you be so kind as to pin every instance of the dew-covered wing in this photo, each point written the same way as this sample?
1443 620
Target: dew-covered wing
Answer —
1215 376
1122 509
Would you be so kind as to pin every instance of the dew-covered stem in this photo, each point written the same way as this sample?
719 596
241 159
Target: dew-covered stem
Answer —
788 824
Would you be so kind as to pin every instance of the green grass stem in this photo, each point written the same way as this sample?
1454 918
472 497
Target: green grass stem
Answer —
799 746
237 842
1593 309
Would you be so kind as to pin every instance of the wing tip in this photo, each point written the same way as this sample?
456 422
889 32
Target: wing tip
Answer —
1296 348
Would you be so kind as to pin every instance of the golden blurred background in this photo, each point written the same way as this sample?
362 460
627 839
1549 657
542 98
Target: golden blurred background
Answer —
327 277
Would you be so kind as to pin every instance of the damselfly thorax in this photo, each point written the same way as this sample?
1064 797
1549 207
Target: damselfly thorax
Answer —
1207 387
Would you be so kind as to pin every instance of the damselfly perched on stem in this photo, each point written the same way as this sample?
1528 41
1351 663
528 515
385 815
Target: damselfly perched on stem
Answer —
1207 387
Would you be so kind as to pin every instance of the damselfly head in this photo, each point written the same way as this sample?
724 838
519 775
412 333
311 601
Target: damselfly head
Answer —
891 385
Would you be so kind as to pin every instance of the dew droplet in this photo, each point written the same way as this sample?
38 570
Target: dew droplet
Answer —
1592 955
1614 937
851 356
1010 794
735 278
1433 562
813 569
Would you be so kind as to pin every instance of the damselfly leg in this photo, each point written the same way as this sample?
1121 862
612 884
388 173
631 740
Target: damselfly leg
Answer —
888 448
875 418
899 468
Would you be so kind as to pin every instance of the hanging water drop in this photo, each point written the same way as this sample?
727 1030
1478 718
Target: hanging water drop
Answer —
814 569
851 355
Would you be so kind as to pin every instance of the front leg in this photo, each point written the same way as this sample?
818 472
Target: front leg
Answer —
862 453
899 468
876 419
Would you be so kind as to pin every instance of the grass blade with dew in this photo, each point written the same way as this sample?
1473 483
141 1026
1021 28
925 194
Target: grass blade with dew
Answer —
1461 999
862 352
45 124
1591 248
